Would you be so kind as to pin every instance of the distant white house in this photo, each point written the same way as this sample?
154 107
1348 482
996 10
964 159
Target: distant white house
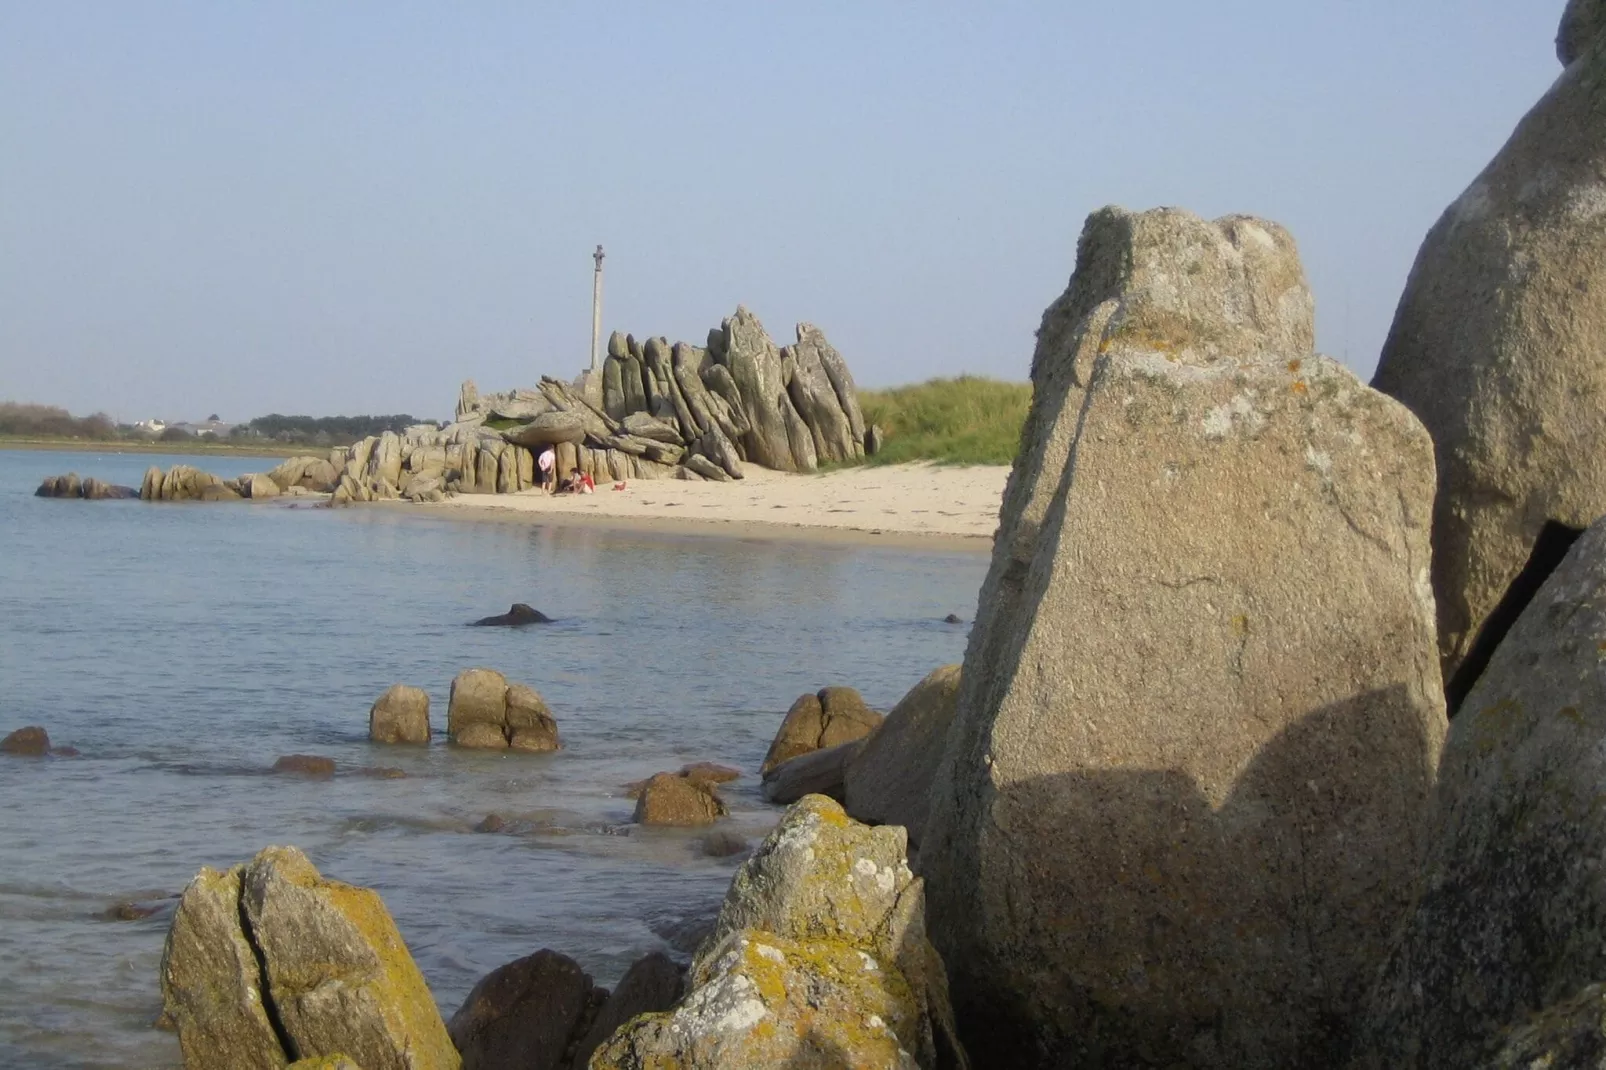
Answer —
151 427
213 428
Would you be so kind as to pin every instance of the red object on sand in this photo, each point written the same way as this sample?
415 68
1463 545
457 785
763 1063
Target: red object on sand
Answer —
619 485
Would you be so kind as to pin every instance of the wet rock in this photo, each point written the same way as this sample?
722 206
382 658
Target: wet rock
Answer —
1154 838
887 781
723 844
478 698
671 799
382 772
819 772
831 716
64 752
953 618
67 486
29 742
1515 869
709 773
94 490
518 614
131 911
308 765
492 823
530 725
653 983
526 1015
401 715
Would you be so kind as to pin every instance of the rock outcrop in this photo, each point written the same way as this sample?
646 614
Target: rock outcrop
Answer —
818 958
887 781
91 489
652 984
400 715
517 615
486 712
1496 347
1506 932
831 716
1184 792
270 962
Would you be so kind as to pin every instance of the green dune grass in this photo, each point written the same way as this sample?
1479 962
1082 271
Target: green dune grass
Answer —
968 420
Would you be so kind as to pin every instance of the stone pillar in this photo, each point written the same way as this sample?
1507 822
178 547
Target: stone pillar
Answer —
596 313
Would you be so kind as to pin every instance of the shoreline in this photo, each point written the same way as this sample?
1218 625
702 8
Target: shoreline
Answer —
177 449
913 506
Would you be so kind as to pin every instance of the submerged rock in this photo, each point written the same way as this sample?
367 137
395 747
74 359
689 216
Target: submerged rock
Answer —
29 742
308 765
671 799
270 962
517 614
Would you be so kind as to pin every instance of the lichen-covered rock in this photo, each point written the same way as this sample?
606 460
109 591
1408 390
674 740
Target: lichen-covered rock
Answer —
818 958
671 799
1154 838
887 781
325 1062
525 1015
826 718
270 962
1510 912
1496 347
766 1001
400 715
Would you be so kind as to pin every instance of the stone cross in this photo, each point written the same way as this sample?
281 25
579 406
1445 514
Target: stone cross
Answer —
596 311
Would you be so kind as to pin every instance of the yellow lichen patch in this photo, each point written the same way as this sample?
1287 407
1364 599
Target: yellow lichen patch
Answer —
1299 387
1295 365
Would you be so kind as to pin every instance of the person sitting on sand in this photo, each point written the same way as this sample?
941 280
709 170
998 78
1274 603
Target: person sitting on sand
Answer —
573 484
587 484
548 463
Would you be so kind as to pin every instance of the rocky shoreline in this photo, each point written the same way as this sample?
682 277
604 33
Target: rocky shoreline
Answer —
1278 742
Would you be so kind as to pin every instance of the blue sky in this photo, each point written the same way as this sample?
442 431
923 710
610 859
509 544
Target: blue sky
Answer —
340 208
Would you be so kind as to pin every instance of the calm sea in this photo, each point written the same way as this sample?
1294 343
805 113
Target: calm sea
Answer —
183 648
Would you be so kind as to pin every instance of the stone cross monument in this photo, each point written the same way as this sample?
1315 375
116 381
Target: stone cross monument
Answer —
596 311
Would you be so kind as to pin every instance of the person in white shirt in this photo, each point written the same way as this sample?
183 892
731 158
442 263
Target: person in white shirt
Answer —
548 462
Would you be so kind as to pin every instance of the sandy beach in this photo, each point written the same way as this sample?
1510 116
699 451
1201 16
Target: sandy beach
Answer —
911 503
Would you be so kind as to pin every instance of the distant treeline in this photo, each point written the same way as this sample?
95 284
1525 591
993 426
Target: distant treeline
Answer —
336 429
49 421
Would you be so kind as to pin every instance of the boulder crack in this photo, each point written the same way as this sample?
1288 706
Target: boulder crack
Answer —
291 1051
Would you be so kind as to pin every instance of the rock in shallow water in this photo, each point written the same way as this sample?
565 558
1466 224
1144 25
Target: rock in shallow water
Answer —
526 1015
671 799
400 715
29 742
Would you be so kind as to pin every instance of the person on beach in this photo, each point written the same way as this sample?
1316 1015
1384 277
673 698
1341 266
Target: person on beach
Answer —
572 484
548 463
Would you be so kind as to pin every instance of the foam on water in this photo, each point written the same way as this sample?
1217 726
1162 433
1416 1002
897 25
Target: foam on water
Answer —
182 648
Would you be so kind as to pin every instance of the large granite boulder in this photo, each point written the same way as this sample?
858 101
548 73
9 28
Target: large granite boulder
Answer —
184 483
526 1015
831 716
29 742
818 958
270 962
887 780
1496 346
1183 796
400 715
313 473
1513 894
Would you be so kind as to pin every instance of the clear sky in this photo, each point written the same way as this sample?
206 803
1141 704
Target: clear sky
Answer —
312 207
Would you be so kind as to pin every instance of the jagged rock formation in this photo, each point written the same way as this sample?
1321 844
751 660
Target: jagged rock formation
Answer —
1506 933
91 489
1496 346
819 958
830 716
270 962
1153 839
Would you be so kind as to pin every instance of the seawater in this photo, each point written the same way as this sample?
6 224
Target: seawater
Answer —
182 648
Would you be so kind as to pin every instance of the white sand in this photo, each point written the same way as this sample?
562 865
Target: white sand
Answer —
895 500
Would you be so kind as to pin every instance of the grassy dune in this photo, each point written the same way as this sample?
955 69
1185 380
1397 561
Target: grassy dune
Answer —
968 420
